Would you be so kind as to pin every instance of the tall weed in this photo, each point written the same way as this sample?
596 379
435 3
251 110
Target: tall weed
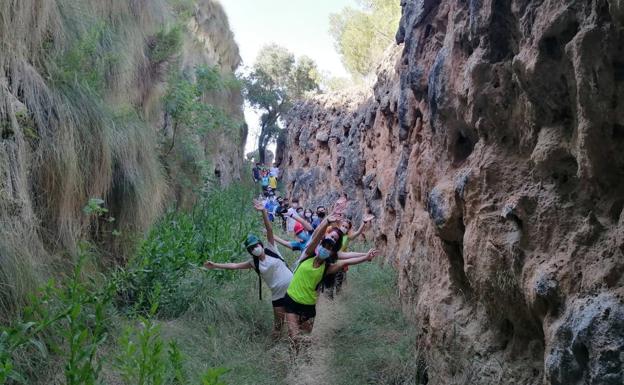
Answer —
180 243
70 320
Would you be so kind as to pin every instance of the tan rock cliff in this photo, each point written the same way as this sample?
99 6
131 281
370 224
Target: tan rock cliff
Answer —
491 151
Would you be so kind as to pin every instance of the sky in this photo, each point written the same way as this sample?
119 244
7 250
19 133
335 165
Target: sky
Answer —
301 26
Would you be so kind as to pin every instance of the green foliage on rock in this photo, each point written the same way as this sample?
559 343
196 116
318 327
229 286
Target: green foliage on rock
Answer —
165 44
362 35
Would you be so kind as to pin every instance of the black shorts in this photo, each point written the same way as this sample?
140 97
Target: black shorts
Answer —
280 302
306 312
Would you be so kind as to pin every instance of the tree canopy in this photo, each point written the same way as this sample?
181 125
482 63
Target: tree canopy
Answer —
276 80
362 35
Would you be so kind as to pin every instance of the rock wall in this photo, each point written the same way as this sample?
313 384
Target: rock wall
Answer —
491 151
82 115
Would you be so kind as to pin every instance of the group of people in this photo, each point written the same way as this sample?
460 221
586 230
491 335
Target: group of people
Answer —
267 177
323 239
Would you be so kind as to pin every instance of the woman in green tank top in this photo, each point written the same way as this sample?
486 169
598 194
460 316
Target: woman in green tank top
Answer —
313 265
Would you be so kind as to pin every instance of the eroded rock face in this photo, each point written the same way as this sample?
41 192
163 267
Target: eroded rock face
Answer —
491 151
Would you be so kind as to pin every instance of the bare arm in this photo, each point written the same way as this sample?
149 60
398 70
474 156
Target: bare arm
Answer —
357 232
282 242
349 254
365 221
306 225
317 236
228 266
336 267
267 223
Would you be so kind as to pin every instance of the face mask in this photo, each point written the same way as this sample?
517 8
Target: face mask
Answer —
321 215
322 253
257 251
314 217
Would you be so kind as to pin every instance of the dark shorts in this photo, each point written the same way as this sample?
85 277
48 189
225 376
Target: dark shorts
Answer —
280 302
306 312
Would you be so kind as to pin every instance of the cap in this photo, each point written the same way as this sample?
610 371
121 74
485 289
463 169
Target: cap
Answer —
251 241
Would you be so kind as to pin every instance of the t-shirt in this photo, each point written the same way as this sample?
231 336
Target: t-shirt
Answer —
344 243
275 273
274 171
290 222
265 181
271 205
302 288
297 245
273 182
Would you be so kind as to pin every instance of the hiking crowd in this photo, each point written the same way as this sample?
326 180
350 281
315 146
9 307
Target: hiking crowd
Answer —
323 238
267 177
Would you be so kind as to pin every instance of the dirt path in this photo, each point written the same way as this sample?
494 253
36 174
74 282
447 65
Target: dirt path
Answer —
312 366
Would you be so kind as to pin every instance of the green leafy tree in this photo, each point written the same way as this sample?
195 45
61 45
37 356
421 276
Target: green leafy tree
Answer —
362 35
275 81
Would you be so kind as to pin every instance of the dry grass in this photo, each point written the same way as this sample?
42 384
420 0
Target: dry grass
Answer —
80 117
314 365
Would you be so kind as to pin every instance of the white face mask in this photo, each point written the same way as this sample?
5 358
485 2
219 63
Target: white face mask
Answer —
257 251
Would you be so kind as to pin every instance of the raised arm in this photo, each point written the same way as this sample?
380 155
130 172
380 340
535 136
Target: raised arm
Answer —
306 225
282 242
259 206
336 267
365 221
350 254
317 236
228 266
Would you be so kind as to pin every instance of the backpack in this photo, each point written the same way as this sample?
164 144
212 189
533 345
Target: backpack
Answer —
256 262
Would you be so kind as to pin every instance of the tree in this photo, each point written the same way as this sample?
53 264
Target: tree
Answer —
362 35
275 81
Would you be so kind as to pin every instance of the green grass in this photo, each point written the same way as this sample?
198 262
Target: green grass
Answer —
229 327
73 323
166 320
374 343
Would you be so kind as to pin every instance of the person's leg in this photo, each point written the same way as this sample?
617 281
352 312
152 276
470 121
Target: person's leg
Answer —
340 279
292 321
279 314
306 325
329 291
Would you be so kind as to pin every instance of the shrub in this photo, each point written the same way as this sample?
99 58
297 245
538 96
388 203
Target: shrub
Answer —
180 243
165 44
69 319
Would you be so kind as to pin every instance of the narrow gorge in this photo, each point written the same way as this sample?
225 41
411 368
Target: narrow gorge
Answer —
488 144
490 150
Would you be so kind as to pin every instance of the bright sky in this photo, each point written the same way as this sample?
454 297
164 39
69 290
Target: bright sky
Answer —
301 26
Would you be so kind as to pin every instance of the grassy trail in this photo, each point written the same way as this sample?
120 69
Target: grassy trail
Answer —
314 364
192 323
361 337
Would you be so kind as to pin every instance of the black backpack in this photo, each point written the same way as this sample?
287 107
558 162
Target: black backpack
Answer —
256 262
